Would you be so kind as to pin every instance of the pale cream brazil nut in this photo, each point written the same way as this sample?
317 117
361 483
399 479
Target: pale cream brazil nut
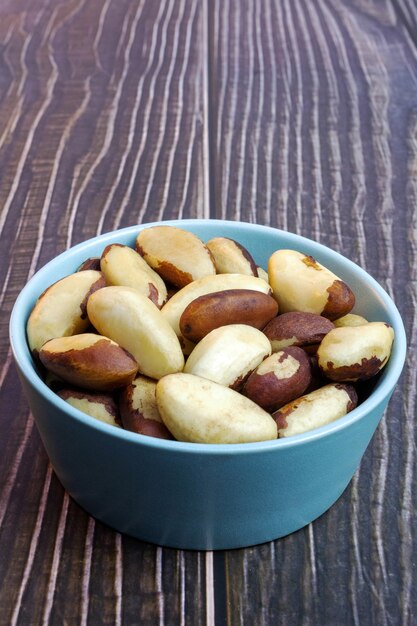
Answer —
227 355
315 409
179 256
230 257
89 361
60 310
351 353
137 325
231 306
300 283
139 411
198 410
123 266
350 319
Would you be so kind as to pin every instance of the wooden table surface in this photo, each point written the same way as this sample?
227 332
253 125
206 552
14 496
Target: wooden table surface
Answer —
299 114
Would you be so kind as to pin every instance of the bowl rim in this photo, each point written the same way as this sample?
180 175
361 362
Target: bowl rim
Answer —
382 391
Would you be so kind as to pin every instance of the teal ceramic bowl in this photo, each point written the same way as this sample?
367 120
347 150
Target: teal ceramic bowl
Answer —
200 496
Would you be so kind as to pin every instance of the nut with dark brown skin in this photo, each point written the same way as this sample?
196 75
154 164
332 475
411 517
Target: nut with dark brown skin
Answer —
89 361
315 409
280 378
101 406
93 263
177 255
300 283
352 353
230 257
61 310
139 411
305 330
232 306
176 305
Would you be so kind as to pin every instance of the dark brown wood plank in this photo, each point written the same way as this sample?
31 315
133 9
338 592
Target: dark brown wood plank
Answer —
314 131
102 111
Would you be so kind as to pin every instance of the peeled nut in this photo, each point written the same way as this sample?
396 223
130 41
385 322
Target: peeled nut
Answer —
139 411
101 406
175 307
60 310
315 409
351 319
137 325
230 257
351 353
89 361
123 266
232 306
263 274
176 254
282 377
198 410
300 283
227 355
305 330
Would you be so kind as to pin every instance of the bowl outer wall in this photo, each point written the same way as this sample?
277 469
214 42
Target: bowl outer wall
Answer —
198 496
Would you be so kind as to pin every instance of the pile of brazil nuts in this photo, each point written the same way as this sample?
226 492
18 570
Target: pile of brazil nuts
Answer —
186 340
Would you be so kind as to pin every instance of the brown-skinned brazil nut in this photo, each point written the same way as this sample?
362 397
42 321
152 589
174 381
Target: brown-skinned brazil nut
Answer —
89 361
352 353
315 409
295 328
101 406
280 378
300 283
139 411
232 306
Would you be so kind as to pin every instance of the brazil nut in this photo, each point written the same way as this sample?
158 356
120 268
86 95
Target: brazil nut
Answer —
101 406
177 255
352 353
139 411
300 283
198 410
296 328
60 310
350 319
231 306
176 305
123 266
280 378
230 257
227 355
137 325
315 409
89 361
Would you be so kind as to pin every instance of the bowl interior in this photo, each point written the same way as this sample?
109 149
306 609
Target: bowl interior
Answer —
371 301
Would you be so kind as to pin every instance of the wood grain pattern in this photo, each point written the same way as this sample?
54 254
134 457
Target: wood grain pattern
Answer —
295 114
